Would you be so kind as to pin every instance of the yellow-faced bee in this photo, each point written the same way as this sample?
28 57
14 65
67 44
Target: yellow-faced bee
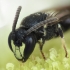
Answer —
35 27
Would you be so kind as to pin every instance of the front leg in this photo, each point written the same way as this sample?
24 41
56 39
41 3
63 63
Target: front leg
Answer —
41 47
62 39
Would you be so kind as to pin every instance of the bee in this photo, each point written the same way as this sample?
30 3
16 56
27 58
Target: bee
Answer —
36 27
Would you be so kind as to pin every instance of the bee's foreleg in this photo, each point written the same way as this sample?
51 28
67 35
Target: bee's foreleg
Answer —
41 47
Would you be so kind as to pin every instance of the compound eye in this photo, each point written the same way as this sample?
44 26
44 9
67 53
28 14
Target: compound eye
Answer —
13 36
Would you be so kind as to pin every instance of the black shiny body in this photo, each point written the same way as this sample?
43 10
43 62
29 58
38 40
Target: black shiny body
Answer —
31 39
34 19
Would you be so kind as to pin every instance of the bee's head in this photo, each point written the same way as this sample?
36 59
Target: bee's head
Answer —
18 37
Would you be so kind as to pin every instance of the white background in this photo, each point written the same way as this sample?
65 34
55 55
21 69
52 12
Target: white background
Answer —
8 8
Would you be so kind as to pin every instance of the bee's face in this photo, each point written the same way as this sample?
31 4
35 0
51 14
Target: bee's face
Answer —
26 44
18 37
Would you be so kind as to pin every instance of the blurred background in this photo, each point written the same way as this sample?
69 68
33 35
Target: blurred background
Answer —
7 13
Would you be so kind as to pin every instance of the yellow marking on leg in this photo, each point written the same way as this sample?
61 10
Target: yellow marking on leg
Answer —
64 46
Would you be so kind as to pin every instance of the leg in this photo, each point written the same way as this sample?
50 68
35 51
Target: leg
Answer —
41 46
62 39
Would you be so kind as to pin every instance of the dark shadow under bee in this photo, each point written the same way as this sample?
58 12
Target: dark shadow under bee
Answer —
44 32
